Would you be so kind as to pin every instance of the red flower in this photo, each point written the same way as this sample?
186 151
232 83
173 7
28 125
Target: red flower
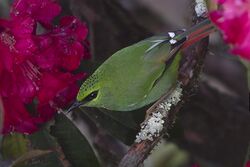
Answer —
62 47
233 19
42 11
248 164
36 66
17 117
16 42
63 89
195 165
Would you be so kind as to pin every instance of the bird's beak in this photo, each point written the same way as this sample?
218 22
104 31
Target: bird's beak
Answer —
75 105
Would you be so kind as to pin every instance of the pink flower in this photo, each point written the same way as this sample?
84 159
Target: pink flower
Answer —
42 11
38 66
233 19
195 165
63 89
62 47
16 41
248 164
17 117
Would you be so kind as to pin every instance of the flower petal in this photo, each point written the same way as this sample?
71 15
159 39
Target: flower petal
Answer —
42 11
233 19
17 118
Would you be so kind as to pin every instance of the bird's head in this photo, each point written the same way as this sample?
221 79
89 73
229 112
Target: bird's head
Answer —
88 93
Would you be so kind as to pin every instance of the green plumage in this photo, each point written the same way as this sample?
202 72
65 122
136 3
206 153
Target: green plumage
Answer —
132 77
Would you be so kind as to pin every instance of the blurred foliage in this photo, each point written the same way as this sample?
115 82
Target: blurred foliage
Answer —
42 140
247 65
167 155
23 152
74 145
14 145
21 161
119 124
4 8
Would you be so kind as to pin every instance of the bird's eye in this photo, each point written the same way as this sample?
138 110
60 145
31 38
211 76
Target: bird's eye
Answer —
91 96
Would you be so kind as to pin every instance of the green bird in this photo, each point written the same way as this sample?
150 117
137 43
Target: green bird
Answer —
139 74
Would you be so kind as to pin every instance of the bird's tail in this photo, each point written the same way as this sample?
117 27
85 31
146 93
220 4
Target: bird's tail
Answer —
196 33
189 37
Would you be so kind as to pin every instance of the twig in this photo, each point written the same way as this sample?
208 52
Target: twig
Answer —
189 76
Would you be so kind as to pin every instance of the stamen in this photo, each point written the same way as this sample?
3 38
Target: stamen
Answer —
8 40
30 71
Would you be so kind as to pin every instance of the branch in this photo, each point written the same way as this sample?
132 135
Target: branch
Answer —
189 71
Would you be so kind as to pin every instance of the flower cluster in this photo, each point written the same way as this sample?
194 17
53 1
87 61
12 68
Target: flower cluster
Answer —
233 19
36 63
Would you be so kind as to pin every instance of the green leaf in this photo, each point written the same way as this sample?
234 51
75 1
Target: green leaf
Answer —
14 145
75 146
118 124
247 65
42 140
